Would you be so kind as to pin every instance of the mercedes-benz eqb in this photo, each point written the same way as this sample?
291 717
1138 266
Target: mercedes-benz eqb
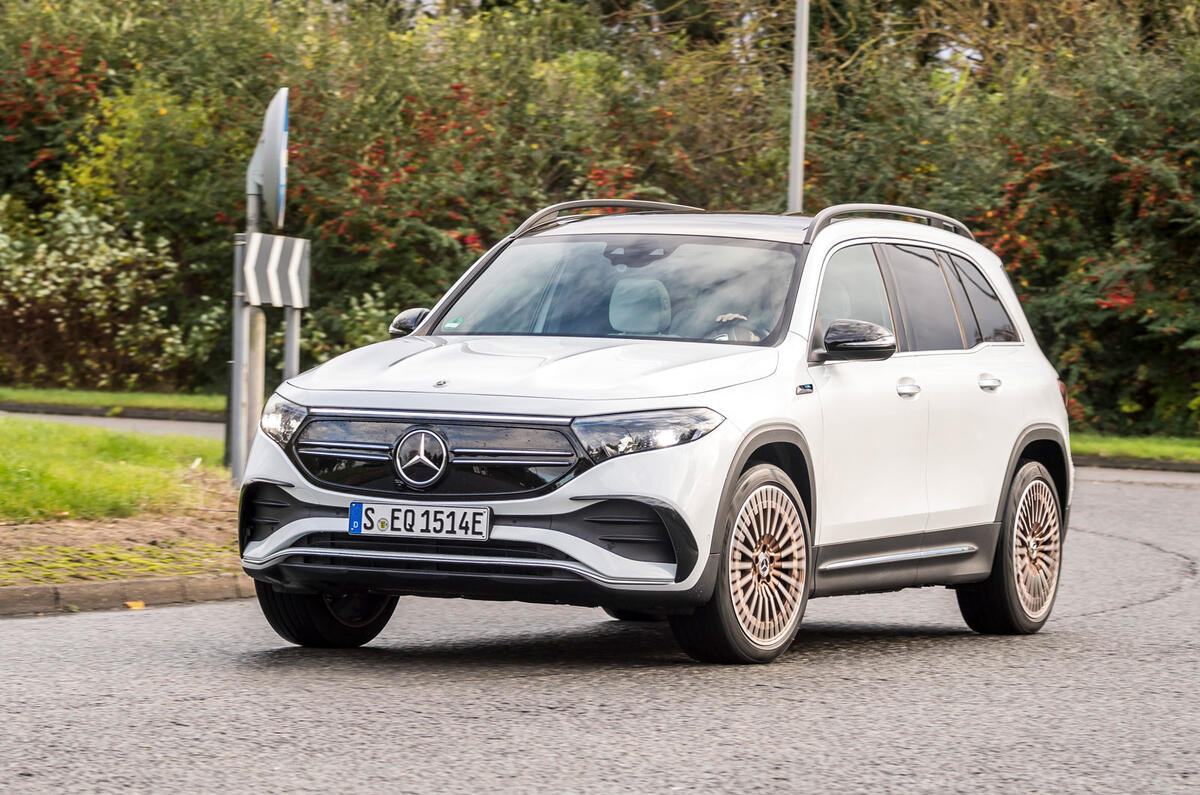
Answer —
671 414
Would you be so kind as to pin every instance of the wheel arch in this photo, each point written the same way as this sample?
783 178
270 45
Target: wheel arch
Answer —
783 446
1045 444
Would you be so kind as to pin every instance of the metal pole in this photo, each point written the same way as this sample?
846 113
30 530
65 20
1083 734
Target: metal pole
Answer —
236 410
256 371
795 202
291 342
241 432
227 461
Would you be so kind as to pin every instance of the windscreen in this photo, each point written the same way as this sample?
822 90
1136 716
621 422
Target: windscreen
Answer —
657 286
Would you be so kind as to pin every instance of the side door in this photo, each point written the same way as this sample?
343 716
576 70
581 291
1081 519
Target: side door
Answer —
976 408
955 377
872 458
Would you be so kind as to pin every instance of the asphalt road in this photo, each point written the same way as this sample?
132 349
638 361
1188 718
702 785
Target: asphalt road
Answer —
879 692
207 430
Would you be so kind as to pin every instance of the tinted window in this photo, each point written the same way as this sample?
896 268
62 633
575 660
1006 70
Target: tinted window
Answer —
852 289
966 315
994 323
924 298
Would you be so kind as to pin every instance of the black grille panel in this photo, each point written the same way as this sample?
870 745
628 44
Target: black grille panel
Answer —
419 577
534 553
265 507
490 549
624 527
487 460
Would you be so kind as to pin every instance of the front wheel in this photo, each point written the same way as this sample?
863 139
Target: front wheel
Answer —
763 581
332 621
1018 595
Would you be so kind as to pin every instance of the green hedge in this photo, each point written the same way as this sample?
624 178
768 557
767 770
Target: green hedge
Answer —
1065 133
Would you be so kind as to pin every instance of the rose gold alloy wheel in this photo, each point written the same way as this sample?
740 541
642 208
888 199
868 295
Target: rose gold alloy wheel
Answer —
1036 549
768 565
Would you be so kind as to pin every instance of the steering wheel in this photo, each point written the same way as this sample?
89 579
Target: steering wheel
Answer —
734 329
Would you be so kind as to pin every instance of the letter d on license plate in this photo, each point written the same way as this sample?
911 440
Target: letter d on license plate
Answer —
420 521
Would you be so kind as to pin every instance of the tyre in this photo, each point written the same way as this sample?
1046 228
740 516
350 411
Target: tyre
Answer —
763 581
1017 597
621 614
340 621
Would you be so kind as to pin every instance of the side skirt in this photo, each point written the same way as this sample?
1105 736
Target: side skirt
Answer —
940 557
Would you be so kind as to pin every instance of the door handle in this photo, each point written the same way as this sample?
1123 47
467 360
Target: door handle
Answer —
989 383
908 389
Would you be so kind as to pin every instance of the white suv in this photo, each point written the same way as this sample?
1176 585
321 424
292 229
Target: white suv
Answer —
667 413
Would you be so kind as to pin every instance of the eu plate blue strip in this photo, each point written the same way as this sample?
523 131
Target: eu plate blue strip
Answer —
356 517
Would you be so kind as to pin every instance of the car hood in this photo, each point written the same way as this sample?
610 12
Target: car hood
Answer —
542 367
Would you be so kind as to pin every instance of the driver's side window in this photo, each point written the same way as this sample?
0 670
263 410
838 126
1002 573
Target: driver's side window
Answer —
852 289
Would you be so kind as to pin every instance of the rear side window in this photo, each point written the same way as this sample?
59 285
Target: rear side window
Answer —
924 297
989 315
966 315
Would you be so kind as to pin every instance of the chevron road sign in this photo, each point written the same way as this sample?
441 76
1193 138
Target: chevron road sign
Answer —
276 270
268 270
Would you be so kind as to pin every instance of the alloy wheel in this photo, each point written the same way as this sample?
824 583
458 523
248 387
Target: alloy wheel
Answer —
1037 549
768 565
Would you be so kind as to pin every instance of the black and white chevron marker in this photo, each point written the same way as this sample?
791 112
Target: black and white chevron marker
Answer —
276 270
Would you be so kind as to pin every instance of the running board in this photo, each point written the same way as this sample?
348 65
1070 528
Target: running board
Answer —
877 560
941 557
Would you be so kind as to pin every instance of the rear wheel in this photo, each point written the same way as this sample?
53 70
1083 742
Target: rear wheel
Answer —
325 620
762 585
1016 599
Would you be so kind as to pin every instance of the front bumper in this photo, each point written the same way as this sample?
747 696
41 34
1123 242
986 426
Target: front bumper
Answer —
632 532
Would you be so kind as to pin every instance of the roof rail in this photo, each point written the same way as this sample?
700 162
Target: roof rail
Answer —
549 214
831 214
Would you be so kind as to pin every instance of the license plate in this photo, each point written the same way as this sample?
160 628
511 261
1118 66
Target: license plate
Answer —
420 521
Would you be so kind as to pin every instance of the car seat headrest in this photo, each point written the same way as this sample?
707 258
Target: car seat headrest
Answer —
639 306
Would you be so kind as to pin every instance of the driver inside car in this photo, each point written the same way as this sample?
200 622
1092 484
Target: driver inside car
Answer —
743 333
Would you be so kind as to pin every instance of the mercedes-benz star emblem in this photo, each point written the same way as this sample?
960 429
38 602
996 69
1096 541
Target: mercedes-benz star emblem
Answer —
421 458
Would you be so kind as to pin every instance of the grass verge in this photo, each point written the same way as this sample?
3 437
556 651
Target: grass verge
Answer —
174 557
1168 448
52 470
80 503
113 400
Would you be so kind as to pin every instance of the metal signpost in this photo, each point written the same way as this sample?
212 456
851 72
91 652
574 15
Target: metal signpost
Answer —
267 269
795 202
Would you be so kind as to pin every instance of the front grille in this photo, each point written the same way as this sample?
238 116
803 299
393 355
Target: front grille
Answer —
487 460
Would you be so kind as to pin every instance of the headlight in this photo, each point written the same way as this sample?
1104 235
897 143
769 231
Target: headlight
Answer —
281 418
617 434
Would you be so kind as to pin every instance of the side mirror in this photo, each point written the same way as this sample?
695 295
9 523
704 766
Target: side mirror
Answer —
406 321
858 339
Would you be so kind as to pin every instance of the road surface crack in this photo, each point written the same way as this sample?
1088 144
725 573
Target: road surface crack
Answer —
1191 568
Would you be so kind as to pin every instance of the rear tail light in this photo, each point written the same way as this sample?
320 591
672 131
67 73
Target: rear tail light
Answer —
1062 390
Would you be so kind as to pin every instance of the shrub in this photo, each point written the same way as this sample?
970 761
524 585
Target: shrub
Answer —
1063 131
82 302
